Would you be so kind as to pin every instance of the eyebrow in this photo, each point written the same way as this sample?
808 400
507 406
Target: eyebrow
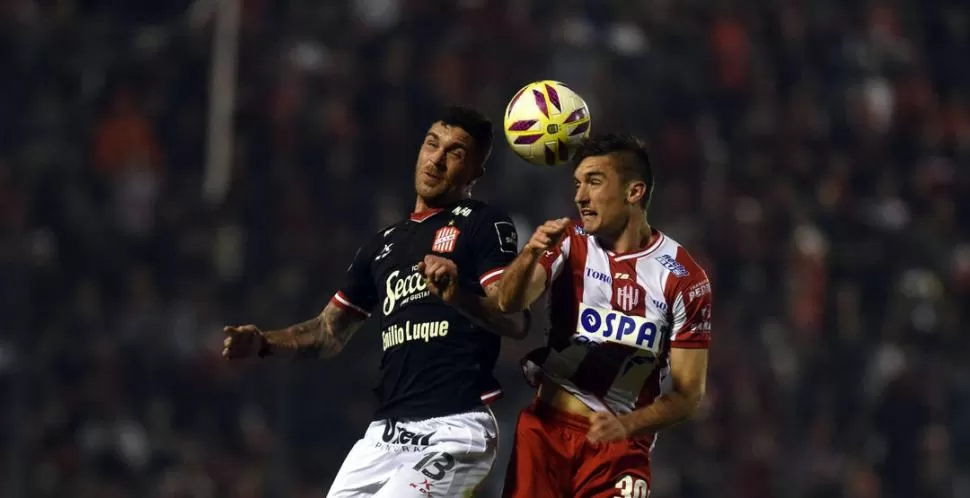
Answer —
592 174
454 145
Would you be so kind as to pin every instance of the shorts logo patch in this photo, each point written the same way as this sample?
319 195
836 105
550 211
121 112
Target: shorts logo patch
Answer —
424 487
445 239
397 434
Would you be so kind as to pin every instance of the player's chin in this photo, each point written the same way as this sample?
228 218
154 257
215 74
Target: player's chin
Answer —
428 190
433 193
591 223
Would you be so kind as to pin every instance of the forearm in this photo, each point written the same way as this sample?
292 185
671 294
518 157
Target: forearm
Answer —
666 411
485 313
322 336
309 338
513 291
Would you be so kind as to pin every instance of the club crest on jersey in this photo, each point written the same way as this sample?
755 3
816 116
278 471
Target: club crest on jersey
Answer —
627 297
445 239
610 325
673 265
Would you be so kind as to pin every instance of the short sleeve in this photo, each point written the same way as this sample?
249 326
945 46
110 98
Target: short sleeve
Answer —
495 244
358 294
556 258
692 313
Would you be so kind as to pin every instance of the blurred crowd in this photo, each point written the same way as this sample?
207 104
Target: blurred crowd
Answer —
812 155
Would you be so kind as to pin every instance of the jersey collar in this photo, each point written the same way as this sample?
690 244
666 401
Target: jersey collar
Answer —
423 215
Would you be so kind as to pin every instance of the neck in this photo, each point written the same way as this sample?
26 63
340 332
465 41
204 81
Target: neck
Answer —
421 204
635 235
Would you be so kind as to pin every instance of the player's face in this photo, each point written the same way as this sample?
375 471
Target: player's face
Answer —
446 163
601 195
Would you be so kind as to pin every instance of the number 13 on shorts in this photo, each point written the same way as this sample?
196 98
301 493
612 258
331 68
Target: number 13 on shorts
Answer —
435 465
632 487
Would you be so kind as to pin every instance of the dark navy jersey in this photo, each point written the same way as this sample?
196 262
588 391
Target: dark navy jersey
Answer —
436 362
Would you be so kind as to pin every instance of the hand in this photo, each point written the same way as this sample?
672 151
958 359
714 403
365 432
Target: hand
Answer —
548 235
605 427
441 276
243 341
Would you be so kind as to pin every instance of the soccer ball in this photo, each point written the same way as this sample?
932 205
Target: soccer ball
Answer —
545 122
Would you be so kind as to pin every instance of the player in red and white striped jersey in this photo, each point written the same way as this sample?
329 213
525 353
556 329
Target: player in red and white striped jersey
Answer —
627 349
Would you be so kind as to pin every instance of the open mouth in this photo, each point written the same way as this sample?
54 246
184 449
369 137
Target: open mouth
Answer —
586 212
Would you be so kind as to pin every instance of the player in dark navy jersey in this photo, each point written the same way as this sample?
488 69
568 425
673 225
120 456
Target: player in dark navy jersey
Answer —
431 280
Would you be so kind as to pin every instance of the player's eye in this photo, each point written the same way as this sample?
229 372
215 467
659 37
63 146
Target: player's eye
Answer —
457 153
431 144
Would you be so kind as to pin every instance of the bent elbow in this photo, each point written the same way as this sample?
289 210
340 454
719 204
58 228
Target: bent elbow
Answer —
506 304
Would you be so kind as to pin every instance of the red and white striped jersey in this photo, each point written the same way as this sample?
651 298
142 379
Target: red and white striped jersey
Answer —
614 318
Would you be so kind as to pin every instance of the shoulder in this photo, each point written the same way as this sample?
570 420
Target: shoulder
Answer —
385 233
677 260
489 225
483 217
379 238
479 211
683 269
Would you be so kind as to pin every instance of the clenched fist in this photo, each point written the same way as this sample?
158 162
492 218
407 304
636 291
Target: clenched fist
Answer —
547 236
243 341
441 276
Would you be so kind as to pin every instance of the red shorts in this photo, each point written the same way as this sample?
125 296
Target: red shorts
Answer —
551 458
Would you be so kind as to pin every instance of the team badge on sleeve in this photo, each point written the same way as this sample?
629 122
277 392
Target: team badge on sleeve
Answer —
508 239
445 239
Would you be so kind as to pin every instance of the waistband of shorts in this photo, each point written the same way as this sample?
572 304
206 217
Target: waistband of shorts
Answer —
483 410
545 411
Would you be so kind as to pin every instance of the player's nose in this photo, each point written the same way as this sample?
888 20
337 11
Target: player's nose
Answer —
582 196
437 159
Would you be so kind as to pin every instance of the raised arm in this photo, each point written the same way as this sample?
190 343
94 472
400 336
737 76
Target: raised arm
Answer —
322 336
492 244
441 276
525 279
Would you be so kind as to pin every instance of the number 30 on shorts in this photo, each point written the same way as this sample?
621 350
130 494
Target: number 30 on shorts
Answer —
631 487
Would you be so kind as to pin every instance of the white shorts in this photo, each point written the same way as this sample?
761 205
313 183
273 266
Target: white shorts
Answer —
435 457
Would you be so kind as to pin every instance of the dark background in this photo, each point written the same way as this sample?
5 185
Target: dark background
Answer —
812 155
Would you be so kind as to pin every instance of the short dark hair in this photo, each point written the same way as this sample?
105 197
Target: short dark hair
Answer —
474 123
634 163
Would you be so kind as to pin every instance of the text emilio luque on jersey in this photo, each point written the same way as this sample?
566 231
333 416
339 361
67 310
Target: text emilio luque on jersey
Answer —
400 292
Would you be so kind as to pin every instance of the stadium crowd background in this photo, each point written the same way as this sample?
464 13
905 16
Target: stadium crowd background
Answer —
813 155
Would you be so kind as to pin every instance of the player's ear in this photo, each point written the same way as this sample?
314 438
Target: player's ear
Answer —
635 192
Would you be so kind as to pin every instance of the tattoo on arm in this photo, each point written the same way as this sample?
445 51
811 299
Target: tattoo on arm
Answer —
322 336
